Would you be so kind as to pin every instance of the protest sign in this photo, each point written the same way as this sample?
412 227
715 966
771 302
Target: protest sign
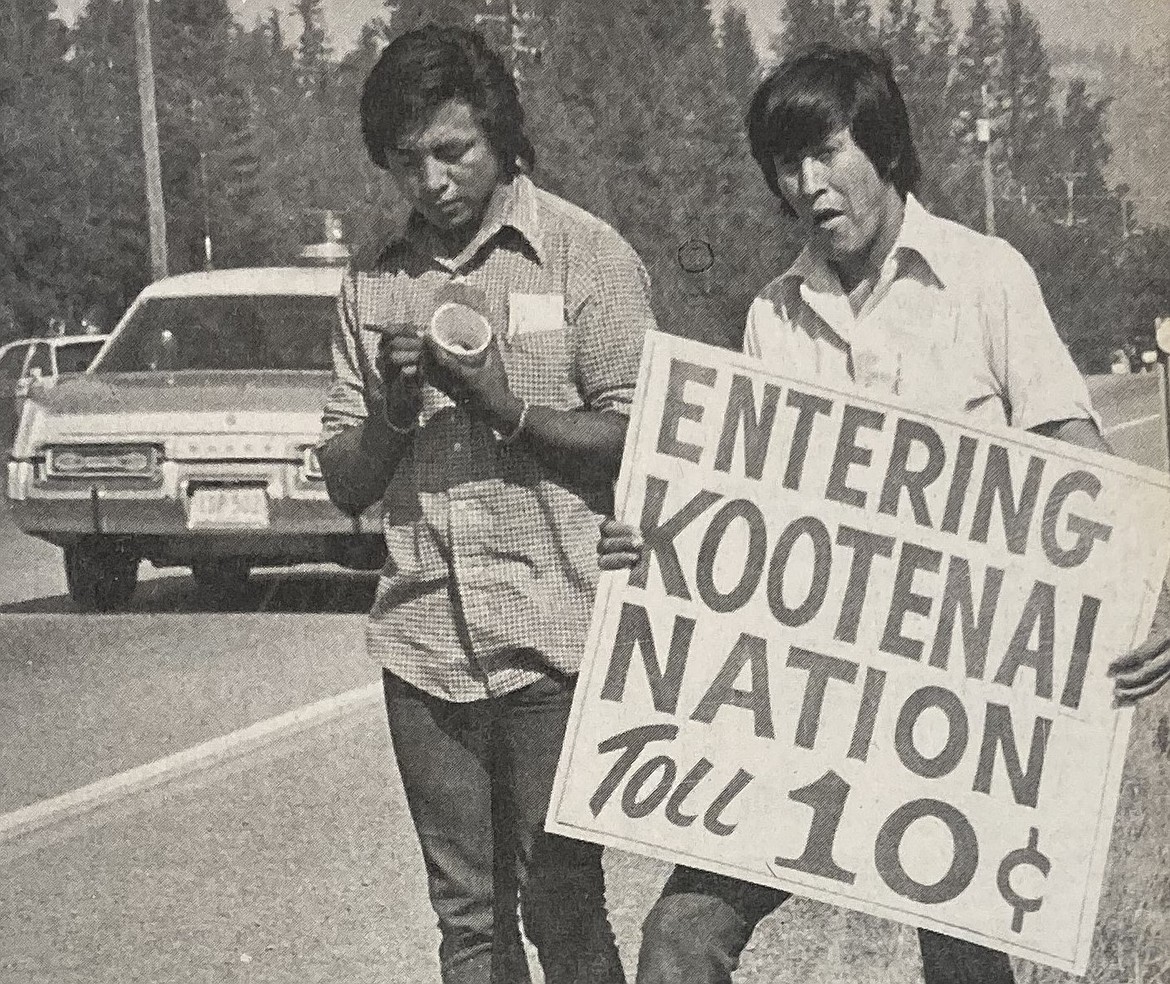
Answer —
864 656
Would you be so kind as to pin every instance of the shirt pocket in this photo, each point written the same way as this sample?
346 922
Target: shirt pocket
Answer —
944 368
539 363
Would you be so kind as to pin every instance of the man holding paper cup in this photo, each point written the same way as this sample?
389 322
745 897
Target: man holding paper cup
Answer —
483 373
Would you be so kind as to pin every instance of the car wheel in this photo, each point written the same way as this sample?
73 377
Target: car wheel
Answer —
101 577
222 578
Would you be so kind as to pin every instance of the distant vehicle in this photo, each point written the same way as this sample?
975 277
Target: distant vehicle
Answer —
30 362
190 440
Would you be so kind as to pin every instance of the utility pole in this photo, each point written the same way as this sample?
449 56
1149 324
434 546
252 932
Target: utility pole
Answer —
508 19
983 135
1123 200
515 22
150 154
1070 179
207 264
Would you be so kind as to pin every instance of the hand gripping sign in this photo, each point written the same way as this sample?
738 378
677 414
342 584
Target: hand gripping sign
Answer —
864 657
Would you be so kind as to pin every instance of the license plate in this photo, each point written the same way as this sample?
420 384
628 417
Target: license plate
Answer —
228 507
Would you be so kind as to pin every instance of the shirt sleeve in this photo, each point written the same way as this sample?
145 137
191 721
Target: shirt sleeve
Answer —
1041 382
346 404
610 321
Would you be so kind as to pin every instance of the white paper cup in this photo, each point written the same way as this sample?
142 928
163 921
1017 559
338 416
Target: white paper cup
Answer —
461 331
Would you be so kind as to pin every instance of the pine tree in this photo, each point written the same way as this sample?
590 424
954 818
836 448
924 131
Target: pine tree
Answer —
209 138
977 68
111 176
806 22
1080 153
1025 84
933 77
405 15
312 51
740 61
41 212
933 114
272 31
652 141
855 18
901 35
672 25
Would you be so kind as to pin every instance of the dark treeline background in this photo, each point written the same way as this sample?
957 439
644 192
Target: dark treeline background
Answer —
636 111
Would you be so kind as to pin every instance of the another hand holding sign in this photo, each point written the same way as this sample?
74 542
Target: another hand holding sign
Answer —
1142 671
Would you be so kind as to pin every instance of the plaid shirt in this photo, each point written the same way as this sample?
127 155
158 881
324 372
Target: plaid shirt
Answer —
492 565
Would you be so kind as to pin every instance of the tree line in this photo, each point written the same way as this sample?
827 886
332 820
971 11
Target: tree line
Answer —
636 113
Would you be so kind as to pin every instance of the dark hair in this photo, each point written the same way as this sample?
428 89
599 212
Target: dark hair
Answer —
826 89
422 69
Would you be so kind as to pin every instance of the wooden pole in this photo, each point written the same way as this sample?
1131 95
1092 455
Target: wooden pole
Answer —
150 154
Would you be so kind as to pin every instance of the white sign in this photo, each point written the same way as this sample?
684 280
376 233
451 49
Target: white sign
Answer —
864 657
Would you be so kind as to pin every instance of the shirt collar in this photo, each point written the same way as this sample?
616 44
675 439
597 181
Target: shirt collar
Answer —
922 235
513 205
925 236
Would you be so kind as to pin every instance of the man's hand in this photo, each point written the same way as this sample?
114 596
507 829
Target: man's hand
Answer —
1146 669
1142 671
482 386
399 360
620 546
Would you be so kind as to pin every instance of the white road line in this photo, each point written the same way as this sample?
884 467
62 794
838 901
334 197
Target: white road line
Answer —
236 743
1125 425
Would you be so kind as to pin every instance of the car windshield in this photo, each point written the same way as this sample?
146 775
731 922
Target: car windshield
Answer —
255 332
76 356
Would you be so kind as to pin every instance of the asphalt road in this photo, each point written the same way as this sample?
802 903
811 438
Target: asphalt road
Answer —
1132 408
288 856
287 860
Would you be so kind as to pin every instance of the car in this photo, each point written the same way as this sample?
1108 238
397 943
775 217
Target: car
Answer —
29 362
189 441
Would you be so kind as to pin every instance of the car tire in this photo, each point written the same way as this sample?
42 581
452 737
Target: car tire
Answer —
101 577
221 579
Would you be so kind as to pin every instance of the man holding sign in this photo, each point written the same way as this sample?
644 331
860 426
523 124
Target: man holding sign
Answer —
890 301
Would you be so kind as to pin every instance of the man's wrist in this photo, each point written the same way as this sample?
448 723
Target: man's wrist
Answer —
401 420
510 436
399 411
508 417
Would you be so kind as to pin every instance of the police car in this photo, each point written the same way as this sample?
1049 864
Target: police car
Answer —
189 441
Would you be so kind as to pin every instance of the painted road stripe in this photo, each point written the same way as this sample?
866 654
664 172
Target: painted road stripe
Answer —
202 756
1125 425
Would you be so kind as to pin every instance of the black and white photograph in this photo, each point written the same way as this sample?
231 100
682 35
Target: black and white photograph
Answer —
585 492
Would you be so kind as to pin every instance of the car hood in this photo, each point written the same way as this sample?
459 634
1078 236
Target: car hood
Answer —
158 406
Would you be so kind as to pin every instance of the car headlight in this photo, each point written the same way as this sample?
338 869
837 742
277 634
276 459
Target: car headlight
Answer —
310 465
102 461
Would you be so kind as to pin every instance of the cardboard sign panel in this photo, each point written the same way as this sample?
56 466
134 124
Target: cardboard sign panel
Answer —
864 656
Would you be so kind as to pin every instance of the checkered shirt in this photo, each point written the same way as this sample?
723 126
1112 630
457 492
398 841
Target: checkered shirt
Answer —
492 565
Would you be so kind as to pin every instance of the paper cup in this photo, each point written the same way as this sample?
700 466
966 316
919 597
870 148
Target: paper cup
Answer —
461 331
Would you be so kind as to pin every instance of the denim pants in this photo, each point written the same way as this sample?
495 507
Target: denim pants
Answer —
701 922
477 778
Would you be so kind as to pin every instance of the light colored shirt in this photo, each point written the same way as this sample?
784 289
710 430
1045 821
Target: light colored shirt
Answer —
955 324
492 558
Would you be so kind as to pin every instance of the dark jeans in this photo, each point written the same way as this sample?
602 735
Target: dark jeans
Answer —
702 921
478 778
